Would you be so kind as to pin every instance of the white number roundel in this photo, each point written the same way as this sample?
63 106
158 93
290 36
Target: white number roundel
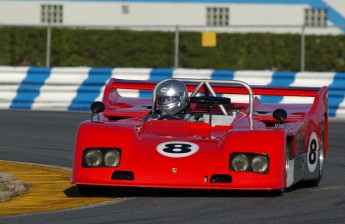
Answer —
313 151
177 149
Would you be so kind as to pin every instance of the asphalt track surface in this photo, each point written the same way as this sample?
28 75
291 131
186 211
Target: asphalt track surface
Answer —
48 138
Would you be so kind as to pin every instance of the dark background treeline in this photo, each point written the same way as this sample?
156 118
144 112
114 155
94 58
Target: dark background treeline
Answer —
26 46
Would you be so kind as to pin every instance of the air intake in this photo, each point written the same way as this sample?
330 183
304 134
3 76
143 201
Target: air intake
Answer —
122 175
221 178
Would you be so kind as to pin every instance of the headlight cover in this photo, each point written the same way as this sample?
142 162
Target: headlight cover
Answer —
260 164
101 157
240 162
112 158
249 162
93 157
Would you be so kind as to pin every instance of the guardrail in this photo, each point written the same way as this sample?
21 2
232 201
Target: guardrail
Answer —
74 89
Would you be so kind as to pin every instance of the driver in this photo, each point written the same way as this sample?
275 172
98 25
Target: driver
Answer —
172 102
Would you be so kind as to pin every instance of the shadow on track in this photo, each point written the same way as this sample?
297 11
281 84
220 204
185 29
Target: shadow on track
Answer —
159 192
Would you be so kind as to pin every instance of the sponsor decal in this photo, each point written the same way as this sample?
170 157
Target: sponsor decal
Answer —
313 151
177 149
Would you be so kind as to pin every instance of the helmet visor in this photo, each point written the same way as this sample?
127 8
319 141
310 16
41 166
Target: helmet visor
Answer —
165 100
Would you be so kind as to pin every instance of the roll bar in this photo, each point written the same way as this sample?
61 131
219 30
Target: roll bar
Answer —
207 83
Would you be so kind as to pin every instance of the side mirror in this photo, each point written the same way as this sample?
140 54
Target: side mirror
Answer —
96 108
280 115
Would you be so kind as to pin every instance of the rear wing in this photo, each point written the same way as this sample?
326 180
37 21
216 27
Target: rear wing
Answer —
209 88
221 86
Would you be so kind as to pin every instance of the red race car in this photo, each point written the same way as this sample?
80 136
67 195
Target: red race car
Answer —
191 135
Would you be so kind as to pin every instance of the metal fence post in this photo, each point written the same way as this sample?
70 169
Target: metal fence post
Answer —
48 46
303 48
177 43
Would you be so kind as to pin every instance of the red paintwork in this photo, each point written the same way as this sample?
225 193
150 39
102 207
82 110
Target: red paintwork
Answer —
138 140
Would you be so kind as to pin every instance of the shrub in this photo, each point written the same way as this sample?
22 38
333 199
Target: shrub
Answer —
125 48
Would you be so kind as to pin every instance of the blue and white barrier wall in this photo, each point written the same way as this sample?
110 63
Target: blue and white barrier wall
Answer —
74 89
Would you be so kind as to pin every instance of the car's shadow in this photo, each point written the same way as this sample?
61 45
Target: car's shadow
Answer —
159 192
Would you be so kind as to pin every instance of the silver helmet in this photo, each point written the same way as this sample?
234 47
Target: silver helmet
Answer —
171 96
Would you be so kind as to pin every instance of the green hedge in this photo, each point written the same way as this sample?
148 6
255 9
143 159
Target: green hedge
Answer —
21 46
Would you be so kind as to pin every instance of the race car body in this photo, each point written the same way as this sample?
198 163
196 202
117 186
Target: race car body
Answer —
221 144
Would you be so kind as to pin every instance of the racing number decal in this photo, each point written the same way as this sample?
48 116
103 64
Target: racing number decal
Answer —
313 151
177 149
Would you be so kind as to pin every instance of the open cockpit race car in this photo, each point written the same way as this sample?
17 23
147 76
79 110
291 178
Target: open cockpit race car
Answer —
216 144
